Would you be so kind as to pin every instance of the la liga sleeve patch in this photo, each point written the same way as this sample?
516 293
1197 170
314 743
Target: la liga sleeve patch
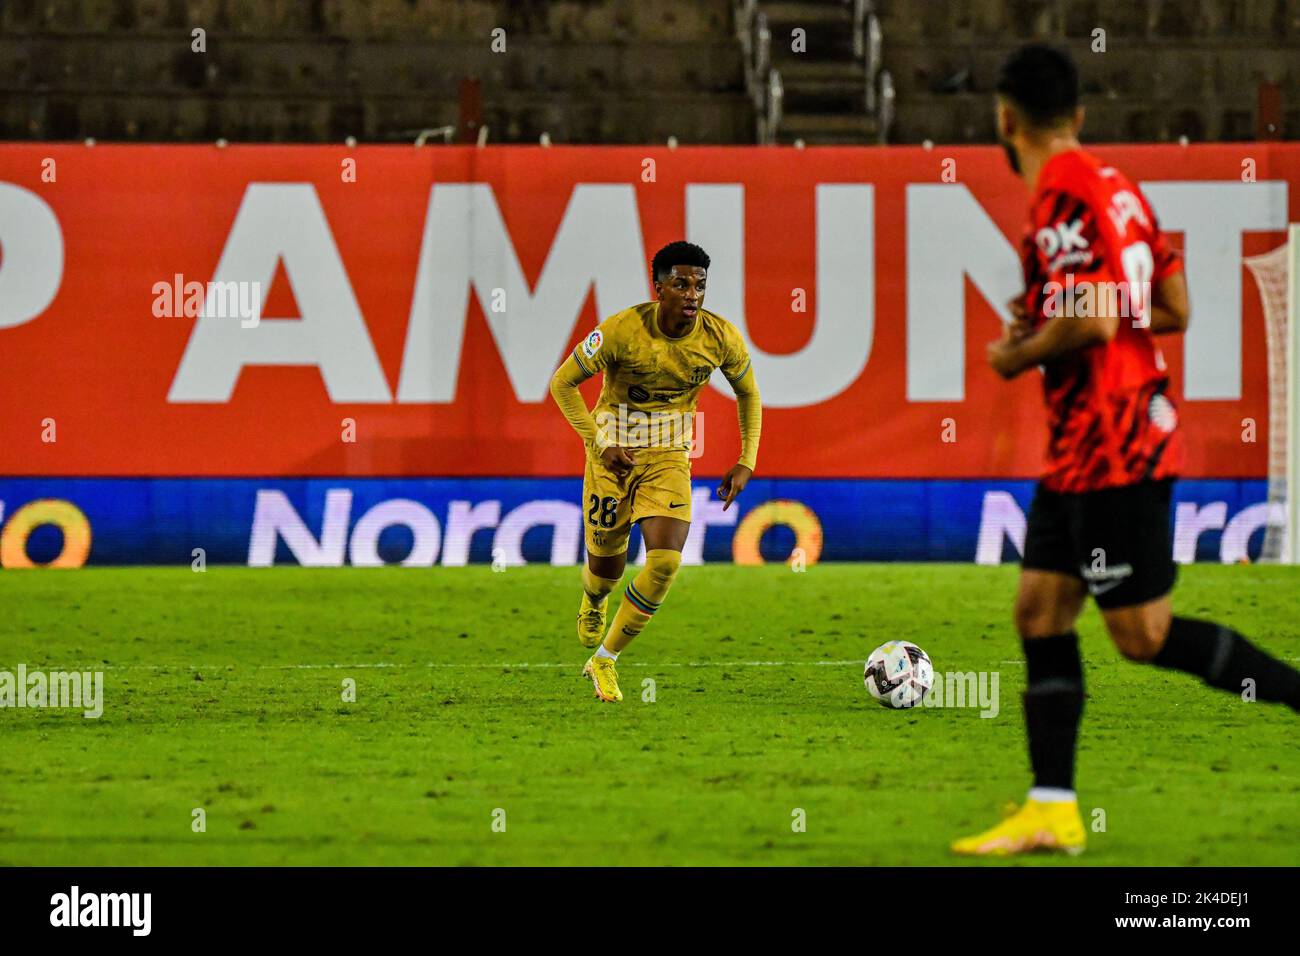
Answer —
591 344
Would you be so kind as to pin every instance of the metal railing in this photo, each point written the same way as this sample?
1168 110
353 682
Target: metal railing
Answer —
885 114
770 119
762 82
746 13
422 136
878 85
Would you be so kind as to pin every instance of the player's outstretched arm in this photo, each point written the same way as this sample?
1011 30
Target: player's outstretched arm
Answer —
749 411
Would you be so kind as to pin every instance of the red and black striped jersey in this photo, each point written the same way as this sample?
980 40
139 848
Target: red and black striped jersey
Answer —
1111 421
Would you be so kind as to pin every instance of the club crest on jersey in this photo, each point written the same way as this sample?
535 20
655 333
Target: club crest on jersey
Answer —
591 344
1162 413
700 375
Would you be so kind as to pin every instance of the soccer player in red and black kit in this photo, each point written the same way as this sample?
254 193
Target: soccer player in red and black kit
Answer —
1101 281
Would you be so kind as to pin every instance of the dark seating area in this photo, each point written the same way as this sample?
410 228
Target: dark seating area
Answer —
323 70
1170 68
630 71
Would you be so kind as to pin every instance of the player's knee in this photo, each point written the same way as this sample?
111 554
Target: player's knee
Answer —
661 565
1136 640
1026 617
1036 618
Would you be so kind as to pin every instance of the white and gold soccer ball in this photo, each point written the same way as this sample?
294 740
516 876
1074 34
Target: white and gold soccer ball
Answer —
899 674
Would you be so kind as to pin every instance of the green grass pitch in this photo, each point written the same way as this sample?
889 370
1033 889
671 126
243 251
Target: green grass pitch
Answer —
223 691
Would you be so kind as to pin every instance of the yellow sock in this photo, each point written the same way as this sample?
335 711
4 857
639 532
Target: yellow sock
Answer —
642 598
596 587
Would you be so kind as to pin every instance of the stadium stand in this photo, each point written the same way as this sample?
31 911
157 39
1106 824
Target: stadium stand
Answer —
707 71
321 70
1194 68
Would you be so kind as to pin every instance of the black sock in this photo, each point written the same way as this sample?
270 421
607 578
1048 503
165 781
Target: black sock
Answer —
1226 660
1053 707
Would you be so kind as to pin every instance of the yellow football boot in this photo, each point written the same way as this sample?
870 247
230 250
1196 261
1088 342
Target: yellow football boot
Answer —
1035 826
600 670
591 622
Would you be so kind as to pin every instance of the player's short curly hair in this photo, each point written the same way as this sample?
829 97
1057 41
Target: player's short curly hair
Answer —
1042 82
679 253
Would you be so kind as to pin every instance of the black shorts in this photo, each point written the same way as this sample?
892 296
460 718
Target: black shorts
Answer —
1116 540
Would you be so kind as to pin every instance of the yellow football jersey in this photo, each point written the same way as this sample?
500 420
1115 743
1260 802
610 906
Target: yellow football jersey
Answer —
652 381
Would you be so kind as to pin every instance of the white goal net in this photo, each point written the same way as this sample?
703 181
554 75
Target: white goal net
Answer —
1277 275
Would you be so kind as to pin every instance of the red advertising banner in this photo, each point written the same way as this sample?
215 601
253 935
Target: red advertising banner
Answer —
298 311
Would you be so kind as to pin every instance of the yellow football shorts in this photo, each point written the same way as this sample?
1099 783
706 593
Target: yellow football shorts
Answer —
659 484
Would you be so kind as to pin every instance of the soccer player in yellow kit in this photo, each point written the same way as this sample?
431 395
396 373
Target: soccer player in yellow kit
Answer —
656 357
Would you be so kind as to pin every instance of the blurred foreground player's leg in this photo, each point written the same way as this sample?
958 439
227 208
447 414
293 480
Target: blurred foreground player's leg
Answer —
1047 603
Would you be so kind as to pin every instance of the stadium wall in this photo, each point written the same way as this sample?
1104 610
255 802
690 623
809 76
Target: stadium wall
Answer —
193 337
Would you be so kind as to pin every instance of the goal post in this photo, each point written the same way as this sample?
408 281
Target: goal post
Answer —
1277 273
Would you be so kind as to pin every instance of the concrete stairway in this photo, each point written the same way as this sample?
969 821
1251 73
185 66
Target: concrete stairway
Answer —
825 79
